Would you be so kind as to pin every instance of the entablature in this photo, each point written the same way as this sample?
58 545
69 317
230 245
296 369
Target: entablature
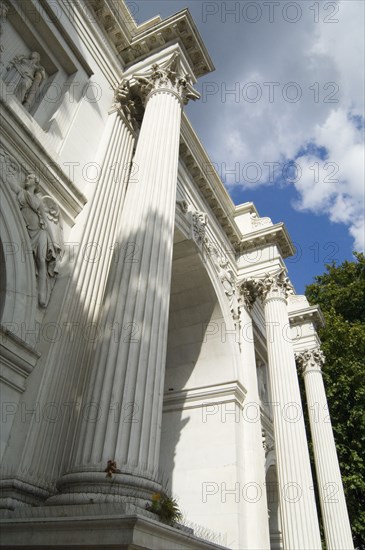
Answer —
300 312
207 180
267 235
135 42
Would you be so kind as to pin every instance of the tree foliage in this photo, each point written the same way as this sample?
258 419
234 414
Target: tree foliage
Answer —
340 292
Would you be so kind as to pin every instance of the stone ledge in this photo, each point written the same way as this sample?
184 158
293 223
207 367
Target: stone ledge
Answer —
94 526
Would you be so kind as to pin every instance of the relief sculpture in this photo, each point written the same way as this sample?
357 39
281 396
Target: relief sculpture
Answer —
43 222
24 77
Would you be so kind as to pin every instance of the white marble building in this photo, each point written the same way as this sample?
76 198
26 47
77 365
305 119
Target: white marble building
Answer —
146 319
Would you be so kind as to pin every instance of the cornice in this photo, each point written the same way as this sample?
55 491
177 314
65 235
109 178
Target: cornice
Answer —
271 234
17 360
196 161
135 42
196 397
311 314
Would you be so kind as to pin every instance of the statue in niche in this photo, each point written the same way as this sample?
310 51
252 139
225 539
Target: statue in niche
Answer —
24 77
42 220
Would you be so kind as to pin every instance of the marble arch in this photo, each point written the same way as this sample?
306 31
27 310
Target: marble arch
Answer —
87 405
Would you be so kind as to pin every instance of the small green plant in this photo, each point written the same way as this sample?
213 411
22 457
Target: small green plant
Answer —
165 507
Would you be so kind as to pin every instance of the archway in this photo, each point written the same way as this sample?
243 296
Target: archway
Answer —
201 432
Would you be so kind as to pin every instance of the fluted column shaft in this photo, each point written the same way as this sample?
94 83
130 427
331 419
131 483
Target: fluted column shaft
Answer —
333 505
254 513
127 375
131 367
47 445
297 502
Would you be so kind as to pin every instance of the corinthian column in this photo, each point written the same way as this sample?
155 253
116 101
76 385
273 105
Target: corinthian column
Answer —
297 502
254 513
127 374
333 505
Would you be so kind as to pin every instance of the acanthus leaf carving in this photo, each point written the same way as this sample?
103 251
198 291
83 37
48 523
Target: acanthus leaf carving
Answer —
228 280
167 76
199 222
310 360
129 103
183 205
271 285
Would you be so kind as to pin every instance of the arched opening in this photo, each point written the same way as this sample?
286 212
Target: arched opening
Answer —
272 490
200 426
18 291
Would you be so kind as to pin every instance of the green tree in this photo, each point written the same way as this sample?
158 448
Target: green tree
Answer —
340 292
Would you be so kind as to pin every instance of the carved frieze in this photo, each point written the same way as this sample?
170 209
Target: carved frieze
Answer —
198 226
227 279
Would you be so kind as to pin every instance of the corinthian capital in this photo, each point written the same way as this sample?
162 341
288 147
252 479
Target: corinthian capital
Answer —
249 290
310 360
275 285
271 285
167 77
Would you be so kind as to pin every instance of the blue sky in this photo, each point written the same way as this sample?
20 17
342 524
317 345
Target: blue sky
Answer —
282 116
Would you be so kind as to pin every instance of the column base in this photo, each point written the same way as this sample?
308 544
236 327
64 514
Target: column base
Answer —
97 487
96 526
16 492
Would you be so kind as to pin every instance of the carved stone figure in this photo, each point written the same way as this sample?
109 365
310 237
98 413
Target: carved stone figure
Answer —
199 224
24 77
42 220
262 383
228 281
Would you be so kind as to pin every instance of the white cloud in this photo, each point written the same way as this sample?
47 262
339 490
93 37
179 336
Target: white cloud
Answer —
325 63
336 185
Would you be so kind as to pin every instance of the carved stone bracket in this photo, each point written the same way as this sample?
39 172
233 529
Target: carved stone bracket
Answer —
228 281
198 226
183 205
310 360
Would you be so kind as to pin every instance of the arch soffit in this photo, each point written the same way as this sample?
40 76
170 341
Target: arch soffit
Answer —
182 226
